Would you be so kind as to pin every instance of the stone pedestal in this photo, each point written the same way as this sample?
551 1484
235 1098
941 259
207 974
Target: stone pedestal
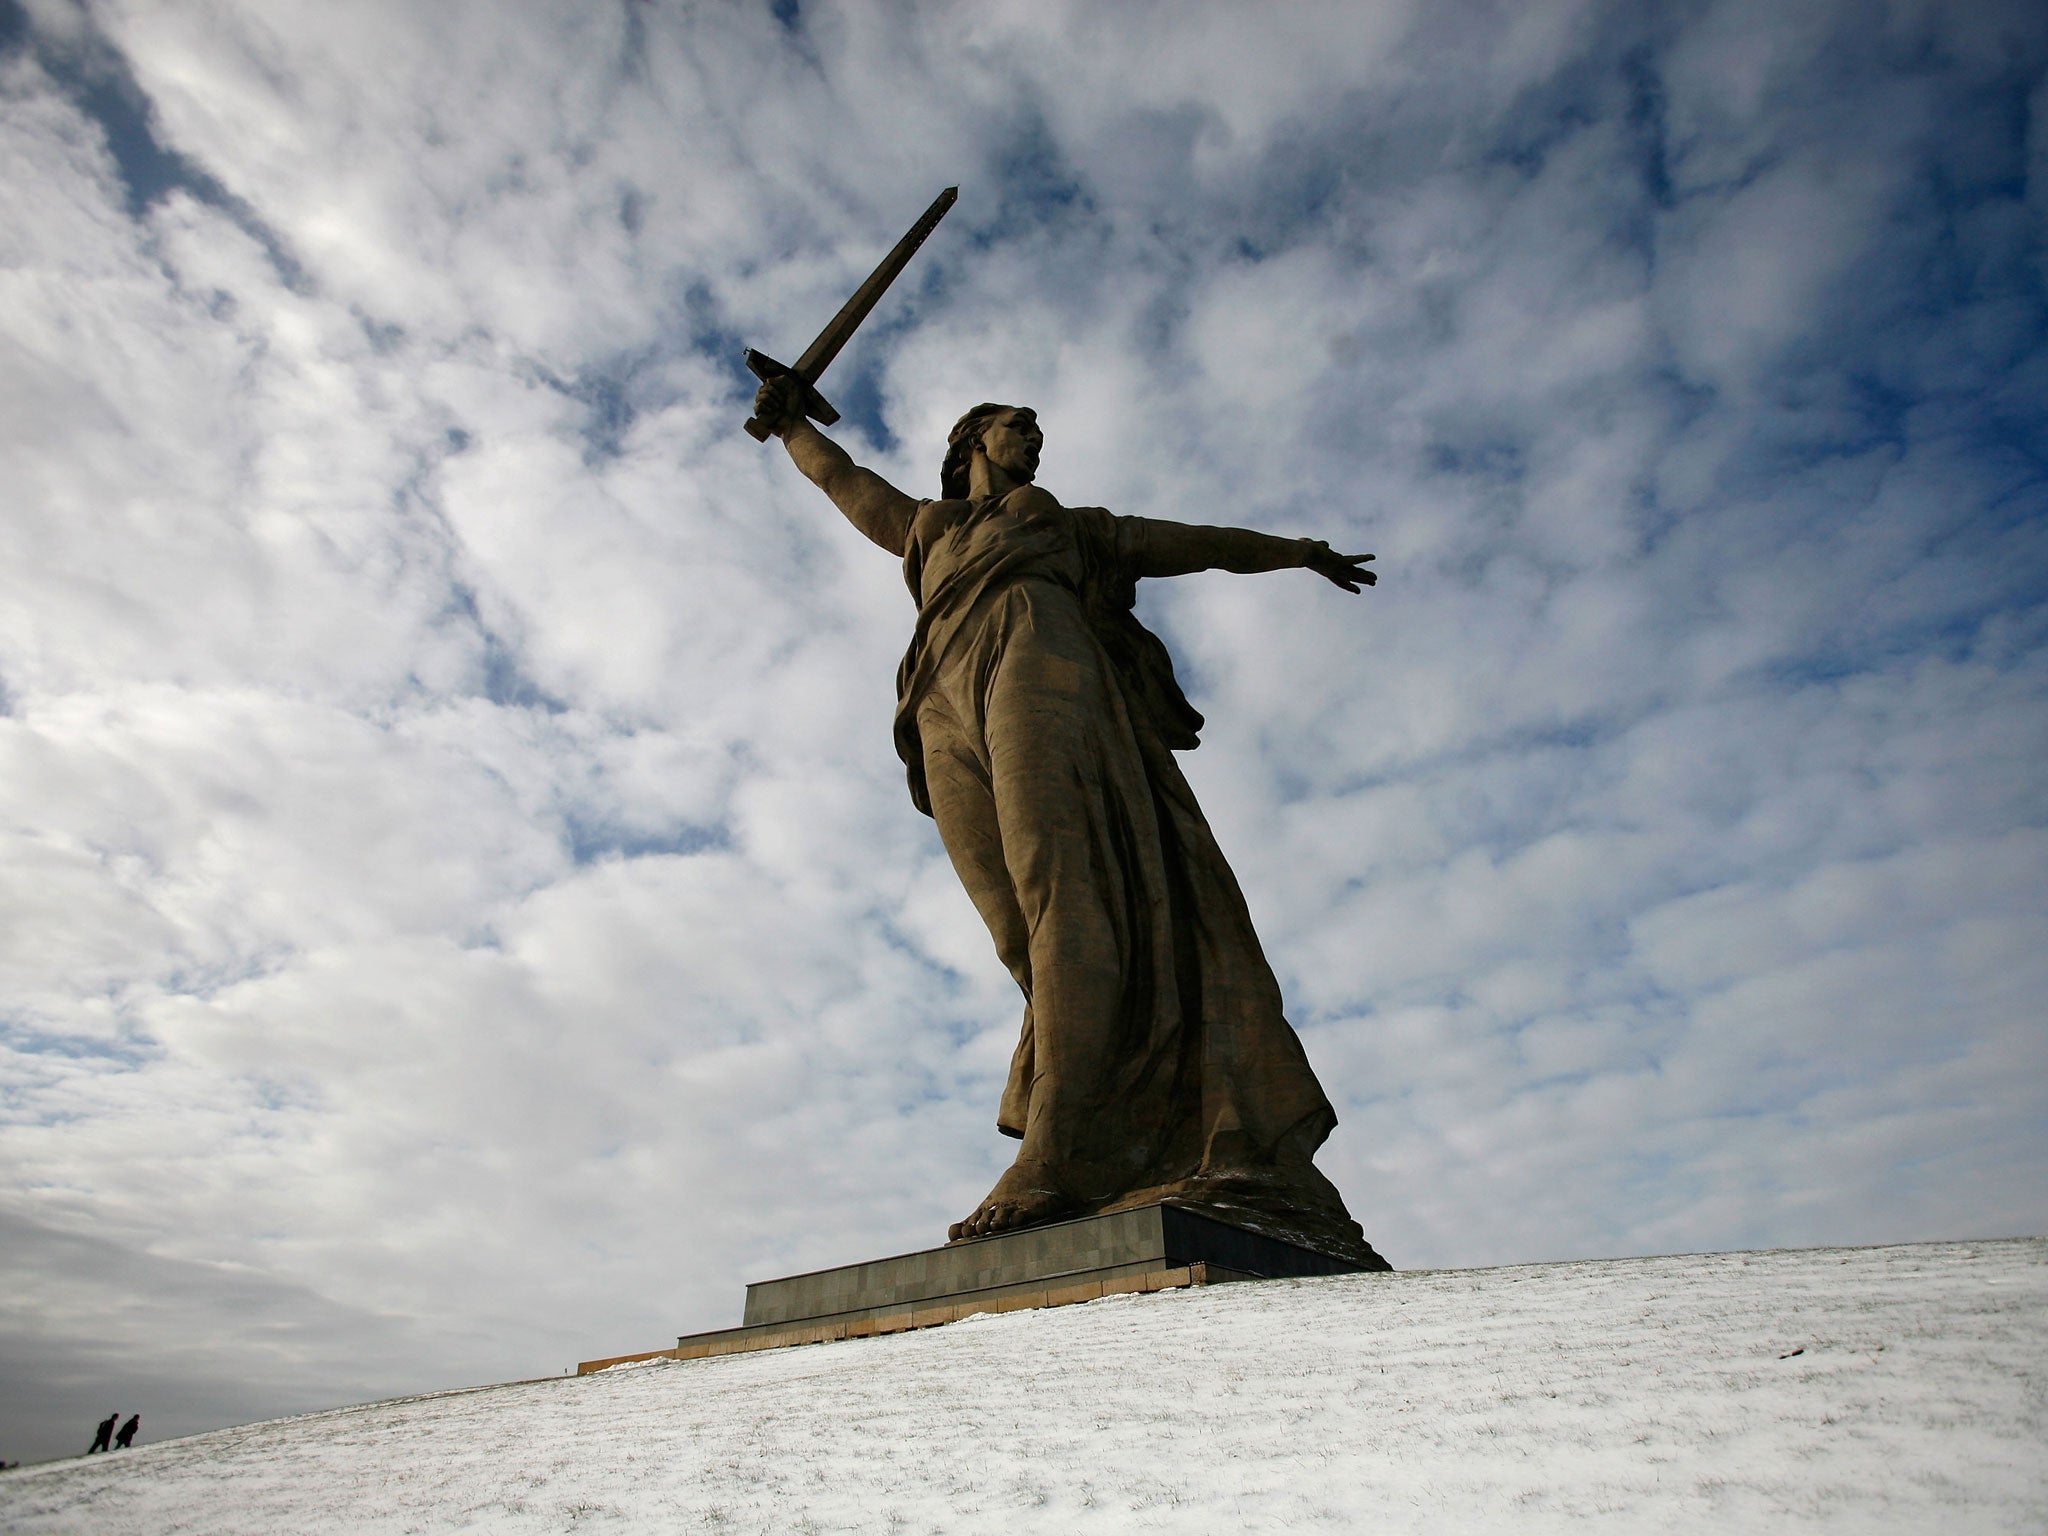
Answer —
1154 1247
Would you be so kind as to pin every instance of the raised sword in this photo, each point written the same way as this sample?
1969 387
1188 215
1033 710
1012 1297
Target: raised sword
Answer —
818 356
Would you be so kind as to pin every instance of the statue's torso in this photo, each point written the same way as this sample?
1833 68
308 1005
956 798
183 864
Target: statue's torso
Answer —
958 550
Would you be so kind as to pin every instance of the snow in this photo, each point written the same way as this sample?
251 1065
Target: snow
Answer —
1864 1390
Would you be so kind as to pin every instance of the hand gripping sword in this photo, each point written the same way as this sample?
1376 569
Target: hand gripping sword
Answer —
820 353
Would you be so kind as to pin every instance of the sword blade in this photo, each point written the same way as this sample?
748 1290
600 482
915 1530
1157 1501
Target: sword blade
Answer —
818 356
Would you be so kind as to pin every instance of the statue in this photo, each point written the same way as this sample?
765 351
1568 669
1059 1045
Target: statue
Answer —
1038 721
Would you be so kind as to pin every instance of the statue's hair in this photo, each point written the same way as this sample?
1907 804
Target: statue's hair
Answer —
960 445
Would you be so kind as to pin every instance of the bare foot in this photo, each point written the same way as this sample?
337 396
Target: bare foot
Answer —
1023 1197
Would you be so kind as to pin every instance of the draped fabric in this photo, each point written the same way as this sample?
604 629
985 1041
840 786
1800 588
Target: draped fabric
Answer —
1037 720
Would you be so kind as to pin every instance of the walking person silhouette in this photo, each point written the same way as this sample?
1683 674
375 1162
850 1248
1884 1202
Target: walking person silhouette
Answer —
99 1441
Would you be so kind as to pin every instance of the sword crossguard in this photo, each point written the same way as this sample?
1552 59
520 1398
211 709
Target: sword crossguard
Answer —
815 405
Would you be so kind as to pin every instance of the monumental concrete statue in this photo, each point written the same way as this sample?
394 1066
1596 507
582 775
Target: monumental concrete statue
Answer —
1038 721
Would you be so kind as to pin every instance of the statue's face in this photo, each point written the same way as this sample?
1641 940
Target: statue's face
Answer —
1012 442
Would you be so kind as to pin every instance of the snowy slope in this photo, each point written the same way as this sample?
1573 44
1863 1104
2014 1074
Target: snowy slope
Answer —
1629 1395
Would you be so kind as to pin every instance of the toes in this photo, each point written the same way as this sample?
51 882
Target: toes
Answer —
1004 1215
976 1225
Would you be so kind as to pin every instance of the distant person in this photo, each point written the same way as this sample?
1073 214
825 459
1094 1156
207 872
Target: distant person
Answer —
99 1441
127 1436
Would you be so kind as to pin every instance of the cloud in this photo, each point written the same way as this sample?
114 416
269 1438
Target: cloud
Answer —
462 911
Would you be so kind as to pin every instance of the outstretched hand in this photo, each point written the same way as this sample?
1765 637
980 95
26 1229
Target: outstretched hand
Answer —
1347 571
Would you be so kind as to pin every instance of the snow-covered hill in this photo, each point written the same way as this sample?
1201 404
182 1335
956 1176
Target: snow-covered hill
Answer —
1864 1390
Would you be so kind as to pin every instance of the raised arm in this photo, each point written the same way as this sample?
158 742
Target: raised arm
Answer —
1176 549
869 502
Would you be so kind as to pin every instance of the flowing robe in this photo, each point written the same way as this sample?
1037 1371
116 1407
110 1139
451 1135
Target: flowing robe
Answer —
1037 719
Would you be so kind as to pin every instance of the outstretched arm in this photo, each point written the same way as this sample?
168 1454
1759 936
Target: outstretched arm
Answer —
870 503
1176 549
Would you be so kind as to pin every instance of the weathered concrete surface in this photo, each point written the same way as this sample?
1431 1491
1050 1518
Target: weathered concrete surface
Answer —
1151 1237
1155 1247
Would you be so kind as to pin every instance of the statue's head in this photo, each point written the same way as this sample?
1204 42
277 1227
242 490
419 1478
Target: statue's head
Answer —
1010 435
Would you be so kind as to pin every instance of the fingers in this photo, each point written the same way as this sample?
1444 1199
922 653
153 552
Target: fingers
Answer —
1346 571
774 403
1321 556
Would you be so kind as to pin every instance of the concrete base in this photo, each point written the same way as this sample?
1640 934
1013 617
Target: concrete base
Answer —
1155 1247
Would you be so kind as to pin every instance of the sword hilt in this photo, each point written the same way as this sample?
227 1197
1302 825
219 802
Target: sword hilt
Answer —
815 405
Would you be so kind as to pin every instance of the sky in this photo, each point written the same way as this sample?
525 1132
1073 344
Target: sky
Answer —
461 912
